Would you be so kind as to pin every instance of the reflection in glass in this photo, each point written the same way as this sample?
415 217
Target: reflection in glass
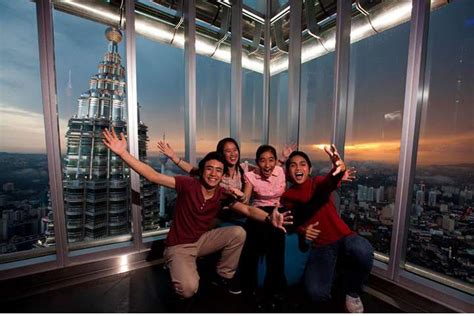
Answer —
376 96
441 219
26 216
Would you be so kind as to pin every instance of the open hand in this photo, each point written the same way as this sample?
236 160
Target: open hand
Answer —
287 150
114 143
349 174
166 150
310 232
281 219
335 159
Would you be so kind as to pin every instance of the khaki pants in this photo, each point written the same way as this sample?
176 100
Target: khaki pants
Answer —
181 259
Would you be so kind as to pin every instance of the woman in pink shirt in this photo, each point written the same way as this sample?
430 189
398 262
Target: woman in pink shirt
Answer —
266 184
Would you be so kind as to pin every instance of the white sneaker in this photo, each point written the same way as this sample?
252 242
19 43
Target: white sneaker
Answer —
354 304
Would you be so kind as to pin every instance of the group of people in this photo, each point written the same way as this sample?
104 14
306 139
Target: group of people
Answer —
220 184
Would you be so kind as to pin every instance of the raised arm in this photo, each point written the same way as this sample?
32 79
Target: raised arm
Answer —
276 219
337 163
333 178
167 150
119 146
285 153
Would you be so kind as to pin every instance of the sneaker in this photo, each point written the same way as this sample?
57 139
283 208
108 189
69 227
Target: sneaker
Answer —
232 285
354 304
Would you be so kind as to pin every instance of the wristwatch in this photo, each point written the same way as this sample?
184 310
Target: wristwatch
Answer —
268 219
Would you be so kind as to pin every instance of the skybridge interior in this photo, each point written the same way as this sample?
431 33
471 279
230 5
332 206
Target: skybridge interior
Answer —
389 82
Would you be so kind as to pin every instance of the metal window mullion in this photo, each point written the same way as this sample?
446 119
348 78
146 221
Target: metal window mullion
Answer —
236 72
410 133
294 70
341 74
266 76
189 11
53 147
132 130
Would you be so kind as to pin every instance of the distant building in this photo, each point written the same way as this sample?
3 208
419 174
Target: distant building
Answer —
8 187
370 194
362 193
420 197
432 198
379 194
448 223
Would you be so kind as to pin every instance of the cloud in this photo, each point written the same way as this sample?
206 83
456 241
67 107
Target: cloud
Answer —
23 131
393 116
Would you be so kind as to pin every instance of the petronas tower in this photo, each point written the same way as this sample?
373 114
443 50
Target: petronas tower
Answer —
96 181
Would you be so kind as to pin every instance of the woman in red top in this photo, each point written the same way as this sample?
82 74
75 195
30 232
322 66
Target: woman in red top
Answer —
331 239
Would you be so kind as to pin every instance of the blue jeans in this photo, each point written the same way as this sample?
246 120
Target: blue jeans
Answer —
353 254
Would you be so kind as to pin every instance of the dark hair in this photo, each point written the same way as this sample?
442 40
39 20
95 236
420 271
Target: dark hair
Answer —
297 153
264 148
213 155
220 150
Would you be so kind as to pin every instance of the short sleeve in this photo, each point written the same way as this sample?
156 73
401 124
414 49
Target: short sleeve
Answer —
249 178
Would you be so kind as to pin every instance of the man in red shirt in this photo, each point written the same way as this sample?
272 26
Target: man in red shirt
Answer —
331 239
197 205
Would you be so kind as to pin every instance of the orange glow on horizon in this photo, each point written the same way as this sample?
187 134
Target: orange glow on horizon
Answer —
441 150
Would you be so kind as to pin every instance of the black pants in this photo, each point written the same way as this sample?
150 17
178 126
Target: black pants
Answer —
263 240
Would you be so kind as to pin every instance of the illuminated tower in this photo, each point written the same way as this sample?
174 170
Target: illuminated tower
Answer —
96 181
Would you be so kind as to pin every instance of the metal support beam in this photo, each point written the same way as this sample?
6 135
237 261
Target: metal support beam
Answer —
189 10
236 72
341 74
50 109
132 130
266 77
410 133
294 71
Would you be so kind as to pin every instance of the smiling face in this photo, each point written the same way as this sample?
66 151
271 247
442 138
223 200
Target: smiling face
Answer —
266 162
299 170
231 154
212 173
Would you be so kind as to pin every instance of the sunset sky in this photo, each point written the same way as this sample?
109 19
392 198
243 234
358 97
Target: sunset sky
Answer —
378 70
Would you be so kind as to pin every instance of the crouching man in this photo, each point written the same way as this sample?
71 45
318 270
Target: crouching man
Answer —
197 205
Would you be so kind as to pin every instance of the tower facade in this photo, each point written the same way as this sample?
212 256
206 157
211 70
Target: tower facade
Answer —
97 181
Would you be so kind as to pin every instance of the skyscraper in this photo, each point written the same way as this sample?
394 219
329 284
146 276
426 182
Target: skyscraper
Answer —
96 181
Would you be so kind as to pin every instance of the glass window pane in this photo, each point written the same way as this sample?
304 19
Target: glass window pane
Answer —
317 80
252 114
91 87
376 97
257 5
26 216
278 114
212 103
441 219
160 77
